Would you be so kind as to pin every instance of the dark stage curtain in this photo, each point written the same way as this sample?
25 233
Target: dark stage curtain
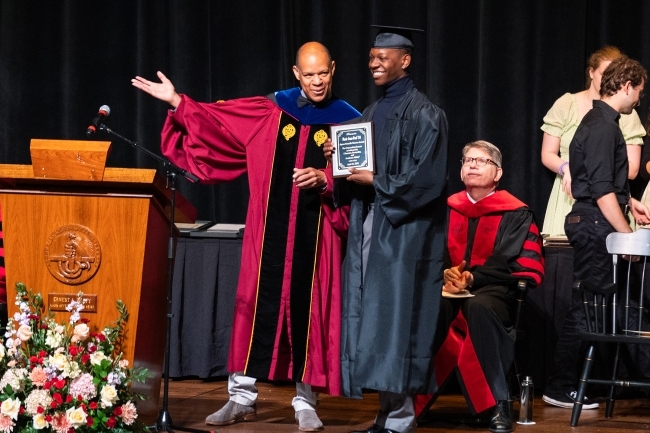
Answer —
494 66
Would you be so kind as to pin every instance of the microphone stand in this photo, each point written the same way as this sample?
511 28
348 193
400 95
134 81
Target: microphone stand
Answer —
164 422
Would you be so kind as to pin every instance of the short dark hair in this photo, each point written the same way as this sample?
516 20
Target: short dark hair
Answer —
619 72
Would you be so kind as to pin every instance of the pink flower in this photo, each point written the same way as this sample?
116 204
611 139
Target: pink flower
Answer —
83 386
60 423
38 376
129 413
6 424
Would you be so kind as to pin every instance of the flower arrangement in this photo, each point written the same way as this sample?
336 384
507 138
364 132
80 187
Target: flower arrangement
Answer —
65 377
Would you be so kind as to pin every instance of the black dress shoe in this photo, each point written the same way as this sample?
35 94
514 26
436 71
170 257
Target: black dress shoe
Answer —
372 429
501 421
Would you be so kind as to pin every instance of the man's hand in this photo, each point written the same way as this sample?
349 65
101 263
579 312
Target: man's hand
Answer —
164 90
457 279
328 149
305 178
640 211
362 177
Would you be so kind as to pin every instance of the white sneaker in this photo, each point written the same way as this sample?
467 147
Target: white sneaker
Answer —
567 400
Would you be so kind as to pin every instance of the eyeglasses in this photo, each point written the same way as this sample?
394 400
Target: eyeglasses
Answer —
481 161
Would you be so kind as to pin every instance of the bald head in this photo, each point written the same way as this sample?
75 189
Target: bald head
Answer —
314 70
312 49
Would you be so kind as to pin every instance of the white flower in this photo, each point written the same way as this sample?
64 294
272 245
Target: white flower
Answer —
24 332
53 339
59 360
10 408
124 363
97 357
76 416
71 370
59 329
2 352
38 397
39 422
14 377
108 395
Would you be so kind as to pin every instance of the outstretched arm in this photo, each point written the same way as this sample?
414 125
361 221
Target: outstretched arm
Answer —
164 90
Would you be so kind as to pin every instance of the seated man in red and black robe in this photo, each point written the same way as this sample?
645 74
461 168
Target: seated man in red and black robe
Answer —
492 243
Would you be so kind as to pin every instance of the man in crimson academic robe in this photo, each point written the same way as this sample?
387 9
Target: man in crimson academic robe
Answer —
287 313
492 243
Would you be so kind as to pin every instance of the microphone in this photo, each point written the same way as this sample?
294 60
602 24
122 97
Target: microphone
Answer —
104 111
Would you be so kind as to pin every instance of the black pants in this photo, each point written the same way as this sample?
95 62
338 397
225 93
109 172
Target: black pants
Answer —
490 321
587 230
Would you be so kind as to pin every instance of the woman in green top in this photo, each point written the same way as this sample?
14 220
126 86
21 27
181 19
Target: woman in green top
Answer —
560 124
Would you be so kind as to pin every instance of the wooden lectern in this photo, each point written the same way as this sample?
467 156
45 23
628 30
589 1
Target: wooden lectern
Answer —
72 225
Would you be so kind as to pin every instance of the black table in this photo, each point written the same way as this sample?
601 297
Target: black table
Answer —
543 315
204 287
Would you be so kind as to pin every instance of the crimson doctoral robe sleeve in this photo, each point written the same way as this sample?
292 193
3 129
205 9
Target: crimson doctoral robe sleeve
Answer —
210 139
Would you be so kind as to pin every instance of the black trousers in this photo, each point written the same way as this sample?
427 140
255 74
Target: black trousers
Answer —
587 230
490 326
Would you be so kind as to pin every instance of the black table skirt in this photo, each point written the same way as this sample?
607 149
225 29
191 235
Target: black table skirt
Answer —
204 287
543 315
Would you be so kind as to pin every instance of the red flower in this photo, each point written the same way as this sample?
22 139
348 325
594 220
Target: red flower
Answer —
43 326
21 410
93 405
40 409
101 337
68 398
59 383
57 398
84 320
90 421
33 359
85 358
33 317
53 405
117 411
80 398
42 354
110 423
73 350
92 349
48 418
47 385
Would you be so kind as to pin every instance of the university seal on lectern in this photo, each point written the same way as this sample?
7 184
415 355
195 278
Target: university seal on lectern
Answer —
72 254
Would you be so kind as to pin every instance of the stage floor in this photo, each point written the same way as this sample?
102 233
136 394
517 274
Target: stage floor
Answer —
190 401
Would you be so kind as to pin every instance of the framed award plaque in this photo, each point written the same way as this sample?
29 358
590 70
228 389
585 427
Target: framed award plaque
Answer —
354 148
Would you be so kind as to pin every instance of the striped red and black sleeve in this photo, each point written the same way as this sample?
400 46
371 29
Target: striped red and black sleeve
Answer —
517 253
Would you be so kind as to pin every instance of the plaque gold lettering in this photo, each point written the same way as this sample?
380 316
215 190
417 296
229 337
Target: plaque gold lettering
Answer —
59 302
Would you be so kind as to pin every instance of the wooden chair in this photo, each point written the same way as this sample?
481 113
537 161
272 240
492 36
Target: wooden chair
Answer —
610 313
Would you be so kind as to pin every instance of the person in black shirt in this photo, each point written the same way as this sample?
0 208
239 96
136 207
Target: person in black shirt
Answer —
599 170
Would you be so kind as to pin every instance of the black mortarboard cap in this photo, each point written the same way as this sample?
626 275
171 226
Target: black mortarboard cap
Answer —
394 37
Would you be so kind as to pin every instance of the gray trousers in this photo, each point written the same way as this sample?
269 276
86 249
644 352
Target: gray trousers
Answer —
396 411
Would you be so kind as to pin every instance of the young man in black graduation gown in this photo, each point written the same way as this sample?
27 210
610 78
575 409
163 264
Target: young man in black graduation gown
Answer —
393 267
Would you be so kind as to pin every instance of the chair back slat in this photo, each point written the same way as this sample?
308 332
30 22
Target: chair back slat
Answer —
604 309
636 243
